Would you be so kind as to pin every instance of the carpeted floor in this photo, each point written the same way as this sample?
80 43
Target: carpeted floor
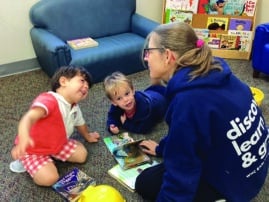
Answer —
17 92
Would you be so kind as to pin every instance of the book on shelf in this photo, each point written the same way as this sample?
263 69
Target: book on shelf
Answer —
240 24
203 6
87 42
245 39
217 23
230 7
71 185
185 5
213 42
172 15
202 33
231 42
215 34
128 177
249 7
126 151
234 7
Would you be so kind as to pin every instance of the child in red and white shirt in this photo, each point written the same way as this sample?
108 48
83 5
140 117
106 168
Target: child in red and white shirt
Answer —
44 131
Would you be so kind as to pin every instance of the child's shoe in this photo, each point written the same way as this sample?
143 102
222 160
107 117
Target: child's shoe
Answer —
16 167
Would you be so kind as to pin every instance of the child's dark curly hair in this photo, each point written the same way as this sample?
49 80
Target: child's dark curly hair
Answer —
70 72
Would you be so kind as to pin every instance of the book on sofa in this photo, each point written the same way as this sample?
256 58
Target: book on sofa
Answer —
82 43
72 184
126 151
128 177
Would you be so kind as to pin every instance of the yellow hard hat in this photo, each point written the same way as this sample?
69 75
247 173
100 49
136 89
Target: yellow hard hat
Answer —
101 193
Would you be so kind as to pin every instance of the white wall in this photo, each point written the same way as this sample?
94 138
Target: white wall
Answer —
150 8
15 25
14 35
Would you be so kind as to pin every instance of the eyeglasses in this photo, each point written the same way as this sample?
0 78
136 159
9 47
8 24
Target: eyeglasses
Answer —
146 51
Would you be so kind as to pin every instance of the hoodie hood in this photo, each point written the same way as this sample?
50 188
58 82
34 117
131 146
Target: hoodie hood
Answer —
181 80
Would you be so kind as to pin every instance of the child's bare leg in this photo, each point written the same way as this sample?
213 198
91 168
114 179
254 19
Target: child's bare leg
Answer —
80 154
47 175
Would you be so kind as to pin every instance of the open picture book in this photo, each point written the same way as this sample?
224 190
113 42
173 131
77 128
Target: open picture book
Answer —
128 177
126 151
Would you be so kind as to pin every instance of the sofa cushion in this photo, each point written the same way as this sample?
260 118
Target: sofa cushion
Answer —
73 21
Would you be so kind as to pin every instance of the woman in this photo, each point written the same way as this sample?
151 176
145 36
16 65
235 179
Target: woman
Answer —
217 142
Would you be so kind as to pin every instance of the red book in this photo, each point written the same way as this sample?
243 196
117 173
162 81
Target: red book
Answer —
203 6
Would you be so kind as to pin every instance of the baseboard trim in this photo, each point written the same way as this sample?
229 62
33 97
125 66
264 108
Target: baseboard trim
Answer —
19 67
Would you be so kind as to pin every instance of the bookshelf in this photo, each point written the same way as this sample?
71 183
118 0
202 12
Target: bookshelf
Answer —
200 20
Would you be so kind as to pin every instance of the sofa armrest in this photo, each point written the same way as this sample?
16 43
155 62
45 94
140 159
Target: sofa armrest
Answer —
142 25
260 40
51 51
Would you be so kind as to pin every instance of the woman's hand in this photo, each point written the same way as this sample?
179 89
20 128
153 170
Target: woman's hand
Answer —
149 146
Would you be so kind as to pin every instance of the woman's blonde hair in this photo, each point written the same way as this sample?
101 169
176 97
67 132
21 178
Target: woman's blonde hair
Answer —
112 83
182 39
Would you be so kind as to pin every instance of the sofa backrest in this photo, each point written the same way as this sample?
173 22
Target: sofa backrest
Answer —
71 19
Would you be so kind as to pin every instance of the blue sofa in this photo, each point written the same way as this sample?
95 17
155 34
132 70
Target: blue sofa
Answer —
119 30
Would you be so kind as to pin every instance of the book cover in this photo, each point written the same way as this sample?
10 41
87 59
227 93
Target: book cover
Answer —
216 7
240 24
217 23
231 42
213 42
226 7
202 33
245 39
185 5
215 34
128 177
71 185
82 43
127 153
178 16
234 7
249 7
203 6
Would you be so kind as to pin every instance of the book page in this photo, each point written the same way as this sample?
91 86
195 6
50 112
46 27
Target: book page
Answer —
128 177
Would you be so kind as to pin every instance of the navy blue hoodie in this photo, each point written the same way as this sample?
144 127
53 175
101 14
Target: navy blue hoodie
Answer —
151 106
217 133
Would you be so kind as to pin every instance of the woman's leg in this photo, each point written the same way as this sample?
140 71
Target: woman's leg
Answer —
148 183
206 192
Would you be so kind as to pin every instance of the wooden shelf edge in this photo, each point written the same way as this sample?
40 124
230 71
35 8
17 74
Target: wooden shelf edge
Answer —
231 54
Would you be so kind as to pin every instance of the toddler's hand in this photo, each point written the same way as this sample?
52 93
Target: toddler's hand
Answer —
114 129
93 137
20 149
